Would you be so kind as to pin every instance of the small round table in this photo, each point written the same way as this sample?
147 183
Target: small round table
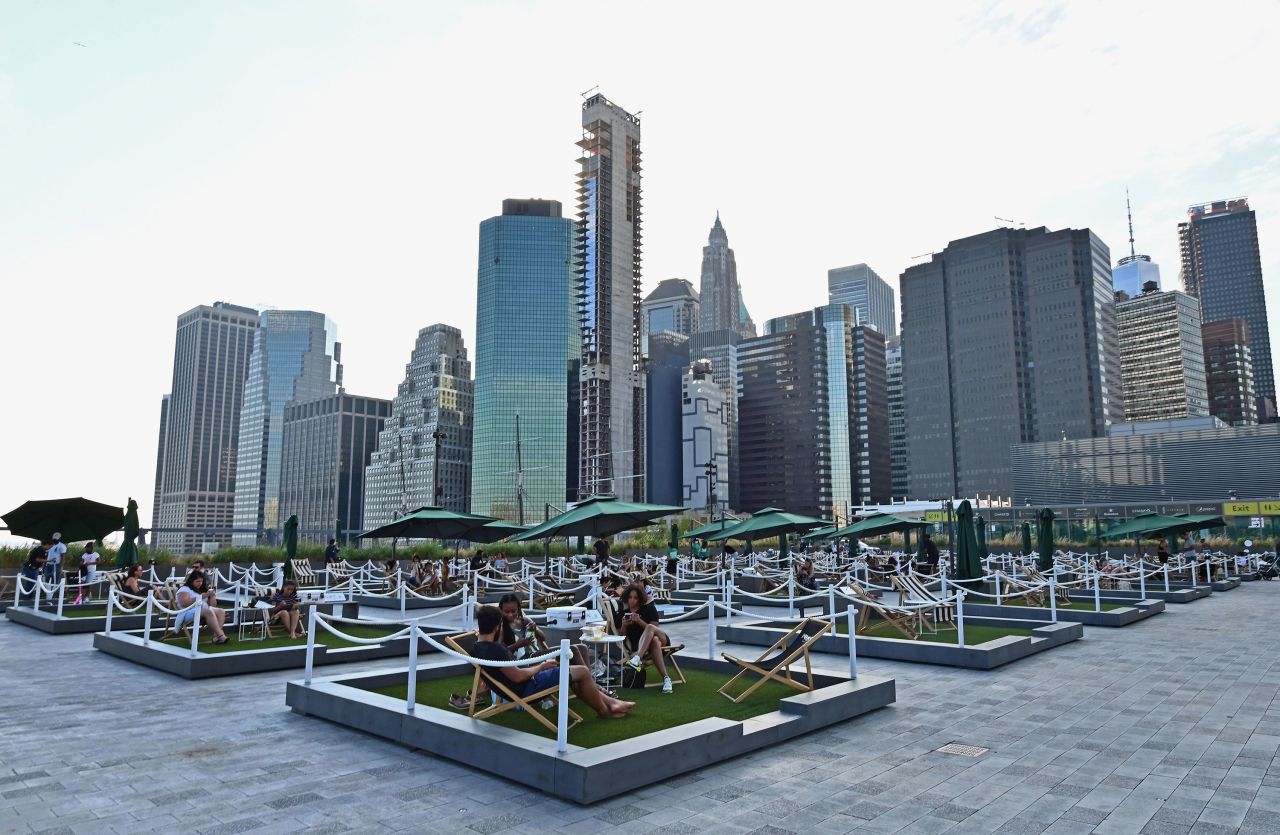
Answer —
606 642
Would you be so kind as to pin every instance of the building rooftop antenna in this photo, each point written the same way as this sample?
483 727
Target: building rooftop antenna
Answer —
1129 210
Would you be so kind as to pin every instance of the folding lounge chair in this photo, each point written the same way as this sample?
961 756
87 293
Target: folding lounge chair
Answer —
906 621
507 698
607 608
774 664
911 588
302 573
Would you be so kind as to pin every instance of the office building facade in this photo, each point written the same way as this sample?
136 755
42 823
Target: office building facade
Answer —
1228 365
672 306
1007 337
723 308
1222 267
611 408
720 349
867 293
326 445
1165 461
664 372
870 440
1161 355
201 427
898 482
295 358
424 450
704 427
526 346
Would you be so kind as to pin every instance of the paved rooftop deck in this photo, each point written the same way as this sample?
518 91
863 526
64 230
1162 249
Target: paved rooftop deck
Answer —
1169 725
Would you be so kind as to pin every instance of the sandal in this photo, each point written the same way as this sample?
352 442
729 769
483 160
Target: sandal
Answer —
460 702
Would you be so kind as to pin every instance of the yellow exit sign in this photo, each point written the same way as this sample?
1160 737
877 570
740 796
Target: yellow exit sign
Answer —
1269 508
1240 508
935 516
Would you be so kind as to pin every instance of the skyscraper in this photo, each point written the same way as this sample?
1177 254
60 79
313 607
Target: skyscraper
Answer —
295 358
704 440
201 427
1007 337
611 427
720 350
1161 355
424 450
722 306
867 293
325 446
672 306
664 371
1228 363
899 487
1222 267
813 414
1132 272
526 341
164 427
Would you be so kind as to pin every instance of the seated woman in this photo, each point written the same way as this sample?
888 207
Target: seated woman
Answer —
193 591
806 577
131 583
286 607
637 617
530 680
500 562
519 634
416 571
428 580
392 569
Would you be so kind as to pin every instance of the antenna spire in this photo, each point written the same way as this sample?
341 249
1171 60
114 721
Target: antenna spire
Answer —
1129 209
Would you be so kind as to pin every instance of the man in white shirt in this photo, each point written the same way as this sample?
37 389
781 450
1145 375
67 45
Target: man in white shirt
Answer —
54 565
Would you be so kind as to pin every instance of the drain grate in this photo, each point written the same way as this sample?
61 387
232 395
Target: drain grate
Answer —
963 750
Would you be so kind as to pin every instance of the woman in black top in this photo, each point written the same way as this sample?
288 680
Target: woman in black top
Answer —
637 618
601 548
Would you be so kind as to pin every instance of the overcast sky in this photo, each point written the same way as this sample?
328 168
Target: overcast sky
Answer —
338 156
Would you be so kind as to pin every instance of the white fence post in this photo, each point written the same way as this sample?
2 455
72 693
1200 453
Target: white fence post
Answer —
1053 594
530 579
62 594
728 604
999 597
831 601
311 645
791 594
111 605
853 639
411 692
1166 578
195 628
1097 591
400 587
39 588
146 621
562 708
711 628
960 618
466 610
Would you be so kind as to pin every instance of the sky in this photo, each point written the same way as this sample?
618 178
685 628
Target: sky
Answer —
339 157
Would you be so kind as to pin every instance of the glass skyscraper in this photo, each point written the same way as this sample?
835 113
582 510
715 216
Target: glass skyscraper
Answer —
526 337
295 358
1222 267
867 293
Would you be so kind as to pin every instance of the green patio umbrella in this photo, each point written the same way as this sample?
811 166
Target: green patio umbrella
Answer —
429 522
968 563
1045 535
1190 522
980 525
128 553
673 542
599 516
290 545
1027 547
495 532
768 522
1141 524
877 524
709 528
77 519
826 532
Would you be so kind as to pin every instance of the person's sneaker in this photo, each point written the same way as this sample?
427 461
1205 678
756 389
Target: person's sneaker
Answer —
547 704
635 663
666 684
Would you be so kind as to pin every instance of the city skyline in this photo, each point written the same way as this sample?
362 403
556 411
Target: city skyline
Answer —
99 224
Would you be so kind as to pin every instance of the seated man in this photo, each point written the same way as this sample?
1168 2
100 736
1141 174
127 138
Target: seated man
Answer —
285 607
529 680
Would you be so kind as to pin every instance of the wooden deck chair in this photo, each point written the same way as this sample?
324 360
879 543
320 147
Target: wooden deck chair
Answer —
911 588
774 664
1036 576
608 608
507 698
906 621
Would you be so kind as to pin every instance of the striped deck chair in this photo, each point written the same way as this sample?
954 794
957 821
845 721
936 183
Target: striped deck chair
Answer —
912 590
507 699
906 621
774 664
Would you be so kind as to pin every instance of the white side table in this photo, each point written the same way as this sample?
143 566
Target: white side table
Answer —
605 643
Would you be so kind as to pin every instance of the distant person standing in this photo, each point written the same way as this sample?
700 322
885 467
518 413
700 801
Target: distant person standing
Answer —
54 564
601 549
34 567
331 552
930 550
88 573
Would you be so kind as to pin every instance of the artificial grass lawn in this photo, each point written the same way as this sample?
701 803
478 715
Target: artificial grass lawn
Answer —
973 633
695 699
283 639
1075 606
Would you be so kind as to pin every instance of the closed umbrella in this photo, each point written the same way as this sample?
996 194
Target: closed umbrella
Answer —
981 530
128 553
77 519
1045 535
968 564
1027 547
290 545
673 543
